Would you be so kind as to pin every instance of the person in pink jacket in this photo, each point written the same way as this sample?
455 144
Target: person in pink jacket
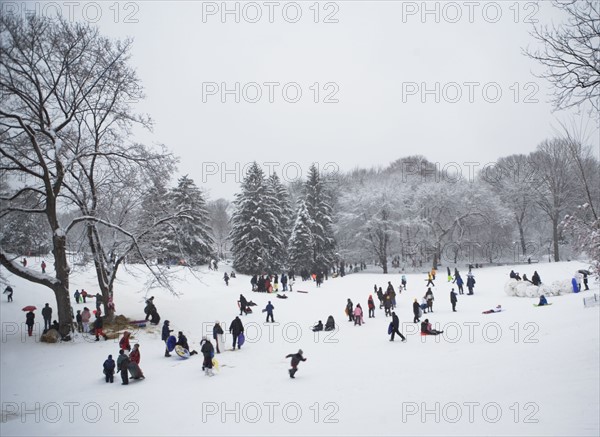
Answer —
85 319
358 315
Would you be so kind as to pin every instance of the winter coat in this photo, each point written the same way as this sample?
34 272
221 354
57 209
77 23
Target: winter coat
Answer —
243 302
135 357
47 313
536 279
370 303
424 327
29 318
182 341
416 308
98 323
349 306
166 332
330 324
236 327
123 362
78 318
429 295
543 301
86 316
270 308
284 279
109 366
296 358
453 297
459 281
207 349
358 312
217 330
395 321
470 281
124 343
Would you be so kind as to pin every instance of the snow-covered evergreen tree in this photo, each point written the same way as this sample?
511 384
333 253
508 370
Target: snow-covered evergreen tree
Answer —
255 235
319 210
193 233
301 243
283 212
155 206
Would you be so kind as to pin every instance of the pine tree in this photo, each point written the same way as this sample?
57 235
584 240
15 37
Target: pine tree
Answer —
155 206
300 248
255 234
282 211
193 238
319 210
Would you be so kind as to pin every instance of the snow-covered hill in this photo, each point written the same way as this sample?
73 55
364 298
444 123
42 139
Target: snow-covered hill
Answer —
525 371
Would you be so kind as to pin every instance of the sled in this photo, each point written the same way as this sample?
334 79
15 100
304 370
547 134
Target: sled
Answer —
182 352
301 291
215 364
171 341
241 340
390 328
281 297
139 323
134 370
575 285
536 305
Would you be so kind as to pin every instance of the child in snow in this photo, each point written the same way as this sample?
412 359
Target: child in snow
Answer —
318 327
9 290
85 319
79 320
134 365
124 342
543 301
208 352
427 330
395 328
358 315
371 305
296 358
109 369
330 324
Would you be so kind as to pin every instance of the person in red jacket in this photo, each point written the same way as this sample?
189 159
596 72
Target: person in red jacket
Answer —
371 305
124 342
134 366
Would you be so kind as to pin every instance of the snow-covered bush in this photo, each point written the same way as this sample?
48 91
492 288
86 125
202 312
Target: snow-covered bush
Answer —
527 289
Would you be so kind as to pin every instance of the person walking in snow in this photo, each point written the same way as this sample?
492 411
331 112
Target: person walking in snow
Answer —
226 278
98 328
395 327
109 369
543 301
29 321
208 352
79 320
371 306
358 315
429 280
350 310
387 304
453 300
429 298
404 282
165 334
217 335
459 283
243 304
416 311
9 291
296 358
123 367
269 309
43 267
77 296
236 328
149 308
471 283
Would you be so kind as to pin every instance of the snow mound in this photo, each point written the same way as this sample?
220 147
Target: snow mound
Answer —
527 289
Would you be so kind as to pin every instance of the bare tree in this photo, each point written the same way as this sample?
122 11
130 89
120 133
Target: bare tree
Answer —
65 107
220 224
571 54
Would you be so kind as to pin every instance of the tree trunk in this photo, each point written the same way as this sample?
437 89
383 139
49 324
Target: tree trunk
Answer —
61 289
555 238
522 237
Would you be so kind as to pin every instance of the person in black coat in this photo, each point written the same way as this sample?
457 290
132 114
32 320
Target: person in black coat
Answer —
330 324
217 330
98 326
109 369
254 283
243 304
47 315
453 300
416 311
9 290
236 328
535 279
296 358
182 341
154 317
471 283
150 308
395 326
318 327
350 310
208 352
29 321
166 333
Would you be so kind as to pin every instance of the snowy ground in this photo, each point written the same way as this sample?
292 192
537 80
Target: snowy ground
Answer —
526 371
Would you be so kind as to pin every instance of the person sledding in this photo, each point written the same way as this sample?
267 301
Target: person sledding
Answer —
296 358
543 301
226 278
183 342
318 327
493 310
426 328
208 352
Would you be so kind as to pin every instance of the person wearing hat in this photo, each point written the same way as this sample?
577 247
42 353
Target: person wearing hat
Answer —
453 300
296 358
269 309
166 333
416 311
217 335
109 369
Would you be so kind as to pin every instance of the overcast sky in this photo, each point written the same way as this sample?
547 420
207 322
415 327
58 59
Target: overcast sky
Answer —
380 65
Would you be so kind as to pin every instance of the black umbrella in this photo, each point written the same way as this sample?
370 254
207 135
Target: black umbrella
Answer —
583 272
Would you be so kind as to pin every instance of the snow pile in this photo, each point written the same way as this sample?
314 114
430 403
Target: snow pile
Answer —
527 289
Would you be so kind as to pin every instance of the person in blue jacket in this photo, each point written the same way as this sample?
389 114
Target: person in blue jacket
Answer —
109 369
269 309
543 301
